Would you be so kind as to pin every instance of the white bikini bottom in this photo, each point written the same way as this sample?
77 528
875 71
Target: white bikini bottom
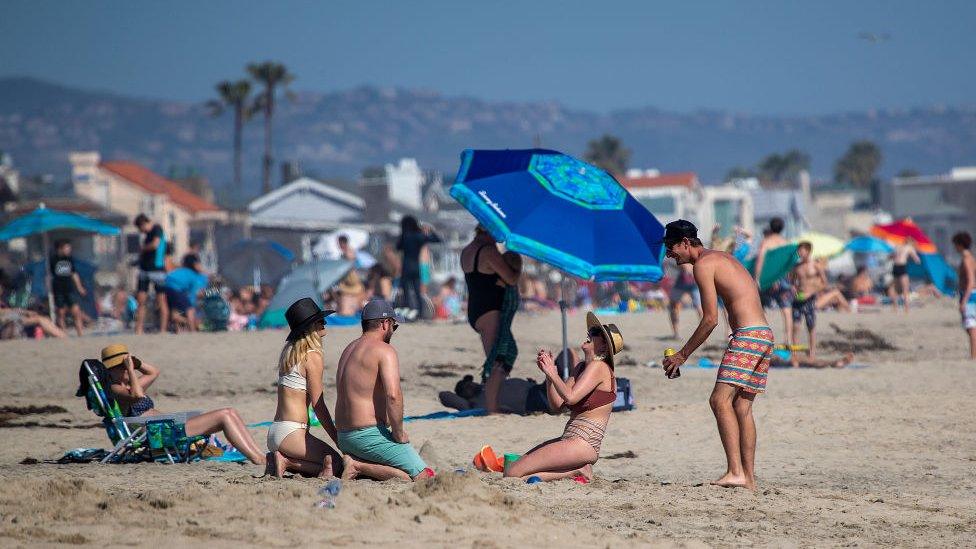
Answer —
279 430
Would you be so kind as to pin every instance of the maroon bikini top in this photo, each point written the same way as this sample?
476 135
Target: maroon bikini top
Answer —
596 398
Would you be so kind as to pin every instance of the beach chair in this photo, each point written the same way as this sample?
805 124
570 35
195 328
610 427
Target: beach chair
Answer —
160 437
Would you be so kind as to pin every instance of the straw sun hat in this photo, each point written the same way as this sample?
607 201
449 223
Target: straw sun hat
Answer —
611 334
114 354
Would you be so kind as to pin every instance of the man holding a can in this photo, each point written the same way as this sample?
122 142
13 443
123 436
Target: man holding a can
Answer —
742 374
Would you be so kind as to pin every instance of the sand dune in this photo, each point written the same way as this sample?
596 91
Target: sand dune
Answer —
881 455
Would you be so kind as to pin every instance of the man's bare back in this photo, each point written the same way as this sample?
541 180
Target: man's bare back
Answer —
719 273
362 397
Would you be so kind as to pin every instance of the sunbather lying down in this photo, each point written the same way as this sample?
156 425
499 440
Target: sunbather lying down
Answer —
129 384
798 361
516 396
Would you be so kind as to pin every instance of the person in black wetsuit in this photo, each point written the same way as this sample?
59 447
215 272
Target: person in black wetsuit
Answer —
483 266
412 239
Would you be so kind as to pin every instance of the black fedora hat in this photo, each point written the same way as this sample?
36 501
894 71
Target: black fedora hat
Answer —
302 314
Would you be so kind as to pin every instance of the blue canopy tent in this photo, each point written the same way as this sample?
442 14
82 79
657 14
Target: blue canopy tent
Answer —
44 220
563 211
934 269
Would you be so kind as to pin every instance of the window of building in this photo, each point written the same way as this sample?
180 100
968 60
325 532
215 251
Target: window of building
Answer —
659 205
727 214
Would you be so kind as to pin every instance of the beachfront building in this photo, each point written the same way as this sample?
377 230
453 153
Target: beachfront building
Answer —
941 205
671 196
128 189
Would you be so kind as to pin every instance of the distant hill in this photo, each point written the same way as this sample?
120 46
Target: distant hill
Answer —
337 134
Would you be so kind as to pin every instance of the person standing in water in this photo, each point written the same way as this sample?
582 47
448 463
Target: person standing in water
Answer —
742 374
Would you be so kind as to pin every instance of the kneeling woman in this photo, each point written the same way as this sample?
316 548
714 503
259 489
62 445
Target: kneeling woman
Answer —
300 368
589 394
129 385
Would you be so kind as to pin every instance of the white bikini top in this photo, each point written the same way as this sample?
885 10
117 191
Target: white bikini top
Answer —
293 379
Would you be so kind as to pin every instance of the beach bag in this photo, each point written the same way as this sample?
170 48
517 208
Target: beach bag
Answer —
625 399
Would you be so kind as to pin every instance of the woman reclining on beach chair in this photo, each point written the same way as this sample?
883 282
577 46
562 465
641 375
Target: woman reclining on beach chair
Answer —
129 384
589 393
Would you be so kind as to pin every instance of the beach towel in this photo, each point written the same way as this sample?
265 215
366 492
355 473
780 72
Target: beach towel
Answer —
777 264
505 350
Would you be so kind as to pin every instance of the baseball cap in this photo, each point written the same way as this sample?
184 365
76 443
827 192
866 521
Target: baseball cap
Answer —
676 230
379 308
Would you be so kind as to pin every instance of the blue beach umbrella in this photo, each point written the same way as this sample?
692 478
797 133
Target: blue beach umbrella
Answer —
44 220
560 210
869 245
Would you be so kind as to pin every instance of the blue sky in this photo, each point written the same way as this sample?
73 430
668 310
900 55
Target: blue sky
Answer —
744 56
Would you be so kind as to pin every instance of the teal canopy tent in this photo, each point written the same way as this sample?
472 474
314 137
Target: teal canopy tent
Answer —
44 220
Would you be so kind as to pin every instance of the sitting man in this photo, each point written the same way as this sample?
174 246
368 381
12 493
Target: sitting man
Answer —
369 406
516 396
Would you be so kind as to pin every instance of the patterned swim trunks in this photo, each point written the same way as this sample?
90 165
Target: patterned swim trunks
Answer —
746 360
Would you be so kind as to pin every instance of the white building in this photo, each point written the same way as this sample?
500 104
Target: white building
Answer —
406 181
671 196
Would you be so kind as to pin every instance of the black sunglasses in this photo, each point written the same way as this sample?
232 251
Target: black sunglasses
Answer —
595 332
395 324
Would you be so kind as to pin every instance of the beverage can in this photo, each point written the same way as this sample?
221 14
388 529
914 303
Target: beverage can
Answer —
677 371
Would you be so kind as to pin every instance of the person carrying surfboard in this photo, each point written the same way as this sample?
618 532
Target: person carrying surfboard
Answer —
780 293
742 374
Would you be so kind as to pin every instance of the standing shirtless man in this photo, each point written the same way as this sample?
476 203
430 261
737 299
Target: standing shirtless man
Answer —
967 287
899 270
369 406
808 278
742 374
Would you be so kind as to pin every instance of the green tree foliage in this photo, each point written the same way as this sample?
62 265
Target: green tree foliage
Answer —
236 97
784 167
858 165
908 172
272 76
609 153
739 172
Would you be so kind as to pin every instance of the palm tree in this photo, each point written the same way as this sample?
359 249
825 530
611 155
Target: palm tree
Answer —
235 96
784 167
858 165
608 152
271 75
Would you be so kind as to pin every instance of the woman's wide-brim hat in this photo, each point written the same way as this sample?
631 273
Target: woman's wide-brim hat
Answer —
302 315
611 334
114 354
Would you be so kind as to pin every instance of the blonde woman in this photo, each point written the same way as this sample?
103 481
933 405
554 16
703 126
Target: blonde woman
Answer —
292 447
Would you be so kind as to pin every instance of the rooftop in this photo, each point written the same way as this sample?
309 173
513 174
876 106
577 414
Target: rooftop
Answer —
152 182
678 179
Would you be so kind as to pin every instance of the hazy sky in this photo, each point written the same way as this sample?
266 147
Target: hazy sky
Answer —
758 57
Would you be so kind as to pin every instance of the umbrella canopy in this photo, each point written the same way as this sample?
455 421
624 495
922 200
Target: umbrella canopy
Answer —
44 220
869 245
900 231
824 245
255 262
562 211
308 280
328 244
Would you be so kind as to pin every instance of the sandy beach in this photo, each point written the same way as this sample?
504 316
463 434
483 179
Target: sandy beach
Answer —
879 455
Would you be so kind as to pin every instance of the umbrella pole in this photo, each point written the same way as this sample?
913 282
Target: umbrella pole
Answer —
563 306
47 275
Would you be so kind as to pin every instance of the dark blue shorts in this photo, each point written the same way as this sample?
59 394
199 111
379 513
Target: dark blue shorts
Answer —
177 300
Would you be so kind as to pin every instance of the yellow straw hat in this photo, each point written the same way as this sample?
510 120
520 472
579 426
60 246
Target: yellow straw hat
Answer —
114 354
611 334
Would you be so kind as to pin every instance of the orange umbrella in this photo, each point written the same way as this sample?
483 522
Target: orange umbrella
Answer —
900 231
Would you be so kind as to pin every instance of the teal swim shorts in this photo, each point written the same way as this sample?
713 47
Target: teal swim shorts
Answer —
375 444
